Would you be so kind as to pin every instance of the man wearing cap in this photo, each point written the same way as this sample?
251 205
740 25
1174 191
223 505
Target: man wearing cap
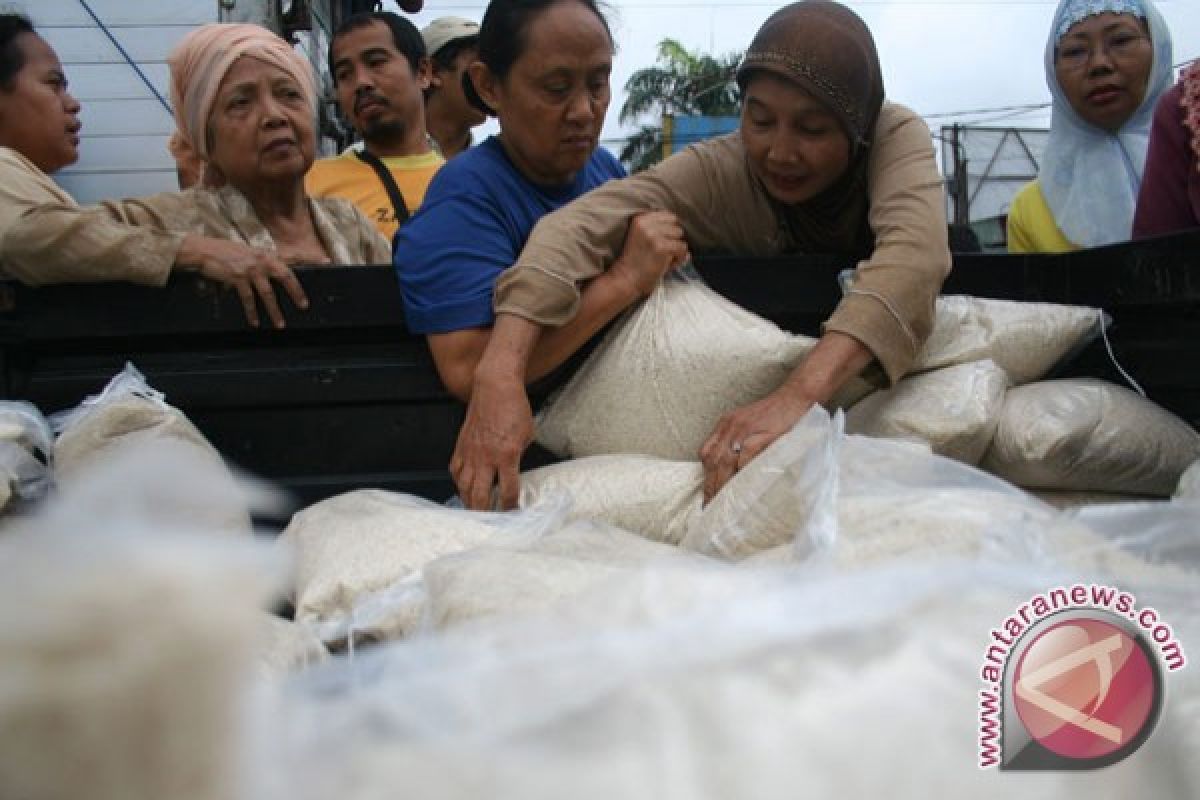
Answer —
380 71
451 44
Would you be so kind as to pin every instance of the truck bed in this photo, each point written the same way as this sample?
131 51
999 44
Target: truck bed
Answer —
347 397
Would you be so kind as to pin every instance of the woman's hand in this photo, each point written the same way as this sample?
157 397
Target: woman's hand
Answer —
654 245
498 428
742 434
246 270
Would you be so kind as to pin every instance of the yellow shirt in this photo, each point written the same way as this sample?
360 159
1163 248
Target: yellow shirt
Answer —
1031 225
347 177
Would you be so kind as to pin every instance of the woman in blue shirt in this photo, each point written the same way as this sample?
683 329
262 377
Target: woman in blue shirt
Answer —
543 71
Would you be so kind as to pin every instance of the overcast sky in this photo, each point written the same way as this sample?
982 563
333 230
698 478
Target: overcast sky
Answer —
939 56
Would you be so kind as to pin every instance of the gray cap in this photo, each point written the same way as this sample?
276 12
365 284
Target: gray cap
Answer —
444 30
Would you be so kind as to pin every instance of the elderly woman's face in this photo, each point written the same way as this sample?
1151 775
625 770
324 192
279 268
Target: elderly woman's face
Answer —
1103 65
261 127
551 105
794 144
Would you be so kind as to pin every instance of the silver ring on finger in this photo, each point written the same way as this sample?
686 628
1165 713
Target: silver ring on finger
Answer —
736 447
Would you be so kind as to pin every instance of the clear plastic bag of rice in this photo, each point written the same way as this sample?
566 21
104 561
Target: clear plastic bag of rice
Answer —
128 409
129 416
1089 435
1026 340
506 581
668 371
357 545
784 496
853 501
652 497
954 410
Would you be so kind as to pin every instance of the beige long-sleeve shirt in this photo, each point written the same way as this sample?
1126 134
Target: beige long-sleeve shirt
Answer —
722 207
46 237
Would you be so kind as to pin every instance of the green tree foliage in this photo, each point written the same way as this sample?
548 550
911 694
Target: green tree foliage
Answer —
680 83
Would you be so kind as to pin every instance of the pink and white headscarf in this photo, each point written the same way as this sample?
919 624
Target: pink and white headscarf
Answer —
200 62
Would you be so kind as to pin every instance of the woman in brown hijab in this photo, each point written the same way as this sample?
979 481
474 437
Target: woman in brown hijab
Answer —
820 164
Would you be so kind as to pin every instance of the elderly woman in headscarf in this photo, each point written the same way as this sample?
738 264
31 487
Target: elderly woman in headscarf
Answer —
1107 63
1170 198
820 164
245 104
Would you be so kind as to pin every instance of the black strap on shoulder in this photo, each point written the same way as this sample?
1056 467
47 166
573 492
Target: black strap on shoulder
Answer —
389 183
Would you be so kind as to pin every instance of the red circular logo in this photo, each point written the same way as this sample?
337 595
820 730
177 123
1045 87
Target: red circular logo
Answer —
1084 689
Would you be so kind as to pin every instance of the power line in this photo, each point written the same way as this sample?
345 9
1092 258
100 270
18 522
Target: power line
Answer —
998 110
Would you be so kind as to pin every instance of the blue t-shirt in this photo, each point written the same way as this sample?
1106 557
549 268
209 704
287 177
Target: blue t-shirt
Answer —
472 225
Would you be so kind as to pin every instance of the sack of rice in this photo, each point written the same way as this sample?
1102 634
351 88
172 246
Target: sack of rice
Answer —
1026 340
954 409
1090 435
127 410
879 499
784 495
664 376
508 581
26 445
364 541
125 659
128 416
651 497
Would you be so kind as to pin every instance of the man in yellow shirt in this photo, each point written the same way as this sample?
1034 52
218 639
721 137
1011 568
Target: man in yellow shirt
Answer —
380 70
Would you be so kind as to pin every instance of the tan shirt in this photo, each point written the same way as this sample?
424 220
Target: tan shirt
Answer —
46 237
724 208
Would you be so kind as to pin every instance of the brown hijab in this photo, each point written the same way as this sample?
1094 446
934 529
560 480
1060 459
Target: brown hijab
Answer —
827 50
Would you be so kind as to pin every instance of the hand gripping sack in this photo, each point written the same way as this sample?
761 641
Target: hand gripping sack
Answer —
666 374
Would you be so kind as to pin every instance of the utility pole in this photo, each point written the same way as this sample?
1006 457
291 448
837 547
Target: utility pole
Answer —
960 183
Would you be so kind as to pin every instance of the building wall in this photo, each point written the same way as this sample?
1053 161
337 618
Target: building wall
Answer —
123 152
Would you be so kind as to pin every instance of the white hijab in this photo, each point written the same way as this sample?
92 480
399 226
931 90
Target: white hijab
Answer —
1090 177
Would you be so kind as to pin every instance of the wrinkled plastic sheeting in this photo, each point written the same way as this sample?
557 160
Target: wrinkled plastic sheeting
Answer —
751 683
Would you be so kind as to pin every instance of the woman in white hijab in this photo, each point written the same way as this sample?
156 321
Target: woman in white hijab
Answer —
1107 63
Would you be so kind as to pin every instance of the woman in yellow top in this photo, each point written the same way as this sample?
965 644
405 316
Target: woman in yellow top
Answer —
1107 62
